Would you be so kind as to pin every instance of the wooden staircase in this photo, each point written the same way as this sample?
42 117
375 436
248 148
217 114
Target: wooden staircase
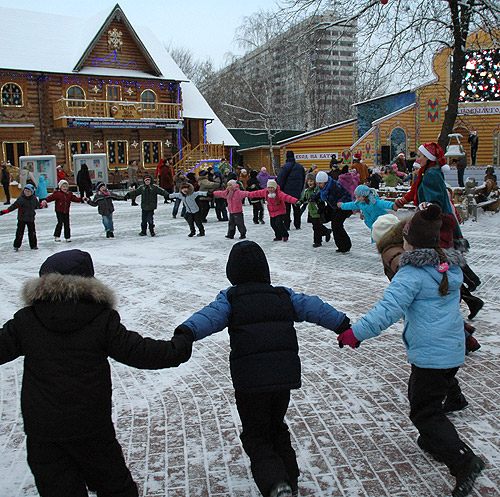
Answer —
189 158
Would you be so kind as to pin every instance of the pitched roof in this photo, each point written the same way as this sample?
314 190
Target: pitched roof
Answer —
52 43
318 131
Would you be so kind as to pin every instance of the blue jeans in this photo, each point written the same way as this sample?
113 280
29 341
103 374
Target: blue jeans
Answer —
108 223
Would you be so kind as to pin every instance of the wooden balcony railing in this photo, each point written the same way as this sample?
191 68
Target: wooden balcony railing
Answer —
72 108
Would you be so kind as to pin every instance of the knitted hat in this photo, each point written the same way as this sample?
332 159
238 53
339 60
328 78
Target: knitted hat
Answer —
383 225
321 177
29 187
401 154
148 176
433 152
423 229
394 166
243 171
253 174
290 154
232 183
271 184
311 176
362 191
98 186
62 182
263 170
74 262
247 262
184 185
203 172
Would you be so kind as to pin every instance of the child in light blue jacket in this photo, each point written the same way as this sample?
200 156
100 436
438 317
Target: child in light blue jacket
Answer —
41 188
426 292
368 203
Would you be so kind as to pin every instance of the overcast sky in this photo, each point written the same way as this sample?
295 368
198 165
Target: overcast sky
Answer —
207 28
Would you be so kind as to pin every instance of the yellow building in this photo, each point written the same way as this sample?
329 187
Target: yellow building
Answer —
400 122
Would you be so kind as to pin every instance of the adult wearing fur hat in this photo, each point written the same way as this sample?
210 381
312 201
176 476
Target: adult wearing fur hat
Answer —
291 180
66 332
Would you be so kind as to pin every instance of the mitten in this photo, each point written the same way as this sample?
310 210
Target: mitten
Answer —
348 338
398 204
5 211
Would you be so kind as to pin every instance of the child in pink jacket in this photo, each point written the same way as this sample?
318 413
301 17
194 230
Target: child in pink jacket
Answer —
234 197
276 206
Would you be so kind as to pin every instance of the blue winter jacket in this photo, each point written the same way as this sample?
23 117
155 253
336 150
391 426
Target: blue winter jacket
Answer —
371 212
433 331
41 188
215 316
292 178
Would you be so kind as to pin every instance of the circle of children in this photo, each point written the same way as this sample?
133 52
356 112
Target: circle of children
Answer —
66 391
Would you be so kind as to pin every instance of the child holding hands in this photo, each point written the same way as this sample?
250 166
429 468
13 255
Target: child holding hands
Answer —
264 359
276 206
103 200
234 197
368 203
426 291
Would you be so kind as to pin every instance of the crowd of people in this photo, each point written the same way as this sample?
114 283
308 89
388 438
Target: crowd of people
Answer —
422 255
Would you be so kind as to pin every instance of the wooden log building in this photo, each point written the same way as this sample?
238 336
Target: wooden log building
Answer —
71 86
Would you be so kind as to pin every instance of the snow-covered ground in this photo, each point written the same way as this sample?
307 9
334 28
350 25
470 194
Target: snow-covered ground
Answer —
179 427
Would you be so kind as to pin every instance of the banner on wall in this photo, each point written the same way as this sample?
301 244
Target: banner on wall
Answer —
472 111
316 156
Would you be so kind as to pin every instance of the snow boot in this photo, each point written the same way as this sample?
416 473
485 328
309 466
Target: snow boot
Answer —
467 476
281 489
474 304
143 233
191 234
152 230
108 234
57 238
328 236
455 404
471 344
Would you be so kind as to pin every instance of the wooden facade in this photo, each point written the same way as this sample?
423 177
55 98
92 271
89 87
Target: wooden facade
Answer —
422 122
137 114
317 147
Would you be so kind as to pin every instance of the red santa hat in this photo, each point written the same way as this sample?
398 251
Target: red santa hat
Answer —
433 152
357 155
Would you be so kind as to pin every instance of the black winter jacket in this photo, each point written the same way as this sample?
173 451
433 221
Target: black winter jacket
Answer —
264 349
66 334
27 207
292 178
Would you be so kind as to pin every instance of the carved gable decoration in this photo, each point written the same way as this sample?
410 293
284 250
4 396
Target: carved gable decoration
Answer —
117 46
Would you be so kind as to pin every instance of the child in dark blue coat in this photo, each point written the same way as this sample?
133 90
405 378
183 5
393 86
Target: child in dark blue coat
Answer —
264 358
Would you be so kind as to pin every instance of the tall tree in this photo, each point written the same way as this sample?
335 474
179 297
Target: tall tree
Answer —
397 38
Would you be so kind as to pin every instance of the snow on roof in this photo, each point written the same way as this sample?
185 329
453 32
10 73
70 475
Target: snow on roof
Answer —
52 43
196 107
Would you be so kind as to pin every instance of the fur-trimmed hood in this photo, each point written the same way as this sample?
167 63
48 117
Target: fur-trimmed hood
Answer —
64 303
429 257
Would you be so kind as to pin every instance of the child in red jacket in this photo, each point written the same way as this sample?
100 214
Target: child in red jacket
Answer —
276 205
63 198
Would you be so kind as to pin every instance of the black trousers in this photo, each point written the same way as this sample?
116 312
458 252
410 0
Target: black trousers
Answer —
193 219
6 191
147 220
427 389
221 208
62 220
340 235
297 213
319 229
85 192
266 438
279 227
64 469
204 209
258 211
460 176
236 220
20 233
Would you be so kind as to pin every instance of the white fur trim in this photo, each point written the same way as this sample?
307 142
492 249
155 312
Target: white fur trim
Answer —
427 153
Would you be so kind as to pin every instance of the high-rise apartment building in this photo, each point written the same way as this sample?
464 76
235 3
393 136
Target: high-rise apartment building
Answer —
303 78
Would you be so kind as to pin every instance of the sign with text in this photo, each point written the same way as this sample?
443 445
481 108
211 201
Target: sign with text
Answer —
316 156
477 111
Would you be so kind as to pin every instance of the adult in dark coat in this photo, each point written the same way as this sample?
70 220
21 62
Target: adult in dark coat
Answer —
66 333
332 192
84 182
6 183
474 143
166 176
291 180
